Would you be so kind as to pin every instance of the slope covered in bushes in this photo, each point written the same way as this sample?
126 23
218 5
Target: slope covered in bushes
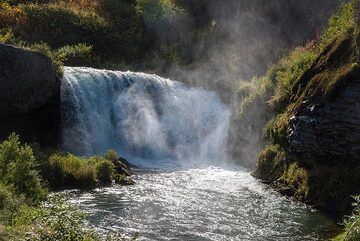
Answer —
312 98
236 38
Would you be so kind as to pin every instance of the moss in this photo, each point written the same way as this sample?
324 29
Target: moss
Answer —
297 179
315 73
271 163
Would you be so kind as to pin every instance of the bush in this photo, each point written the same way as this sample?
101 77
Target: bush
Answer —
11 16
81 172
111 155
105 170
339 24
8 201
54 220
71 171
288 73
66 53
17 168
26 213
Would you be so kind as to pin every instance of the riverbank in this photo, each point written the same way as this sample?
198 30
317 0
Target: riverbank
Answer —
29 173
313 95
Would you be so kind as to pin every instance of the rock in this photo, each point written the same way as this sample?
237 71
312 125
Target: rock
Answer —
29 96
326 127
317 158
127 181
122 167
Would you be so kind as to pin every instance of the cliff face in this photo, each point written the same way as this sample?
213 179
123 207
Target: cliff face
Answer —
29 96
317 159
326 126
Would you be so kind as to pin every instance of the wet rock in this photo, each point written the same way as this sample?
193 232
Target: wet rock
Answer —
122 167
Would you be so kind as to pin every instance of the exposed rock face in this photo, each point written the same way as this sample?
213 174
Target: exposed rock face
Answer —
29 96
326 127
316 156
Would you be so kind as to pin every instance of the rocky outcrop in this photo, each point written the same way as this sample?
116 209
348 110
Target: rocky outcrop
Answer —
29 96
314 150
326 126
123 172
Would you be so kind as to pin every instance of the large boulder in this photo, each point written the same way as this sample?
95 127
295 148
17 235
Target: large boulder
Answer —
29 96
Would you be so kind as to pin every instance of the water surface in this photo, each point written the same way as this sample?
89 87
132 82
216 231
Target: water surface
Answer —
202 204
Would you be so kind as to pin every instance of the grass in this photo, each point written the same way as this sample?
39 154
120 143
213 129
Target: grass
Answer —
318 70
27 174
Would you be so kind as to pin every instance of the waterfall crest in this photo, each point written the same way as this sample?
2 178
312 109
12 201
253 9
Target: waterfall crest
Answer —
145 118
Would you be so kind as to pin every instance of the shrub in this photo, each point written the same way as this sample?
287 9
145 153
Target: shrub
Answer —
288 73
11 16
59 56
8 200
111 155
17 168
105 170
157 12
71 171
339 24
53 220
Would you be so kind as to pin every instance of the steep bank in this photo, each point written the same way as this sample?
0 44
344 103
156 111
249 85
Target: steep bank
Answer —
29 96
314 148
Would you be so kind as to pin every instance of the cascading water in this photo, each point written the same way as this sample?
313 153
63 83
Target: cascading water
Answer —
143 117
181 131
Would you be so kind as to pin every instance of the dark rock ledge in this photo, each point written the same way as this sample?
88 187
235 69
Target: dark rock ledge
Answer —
29 96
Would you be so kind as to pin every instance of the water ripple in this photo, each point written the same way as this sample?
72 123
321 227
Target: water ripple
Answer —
201 204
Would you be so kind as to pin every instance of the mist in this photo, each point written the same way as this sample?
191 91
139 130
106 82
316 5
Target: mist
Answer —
145 118
238 40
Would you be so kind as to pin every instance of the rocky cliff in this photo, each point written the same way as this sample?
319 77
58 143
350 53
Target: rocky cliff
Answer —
314 153
29 96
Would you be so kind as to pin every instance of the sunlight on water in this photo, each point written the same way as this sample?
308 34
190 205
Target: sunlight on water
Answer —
201 204
159 123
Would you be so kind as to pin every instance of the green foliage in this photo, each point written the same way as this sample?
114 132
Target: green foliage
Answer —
9 202
313 72
276 128
80 172
111 155
26 212
59 56
155 12
71 171
53 220
271 163
352 223
105 171
17 167
288 73
6 36
339 24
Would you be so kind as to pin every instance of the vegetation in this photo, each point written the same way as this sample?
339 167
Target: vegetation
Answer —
149 34
316 70
352 224
27 212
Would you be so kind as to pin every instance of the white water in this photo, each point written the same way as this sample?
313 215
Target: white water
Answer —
145 118
182 132
201 204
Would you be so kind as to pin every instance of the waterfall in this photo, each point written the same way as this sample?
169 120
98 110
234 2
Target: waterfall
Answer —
147 119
